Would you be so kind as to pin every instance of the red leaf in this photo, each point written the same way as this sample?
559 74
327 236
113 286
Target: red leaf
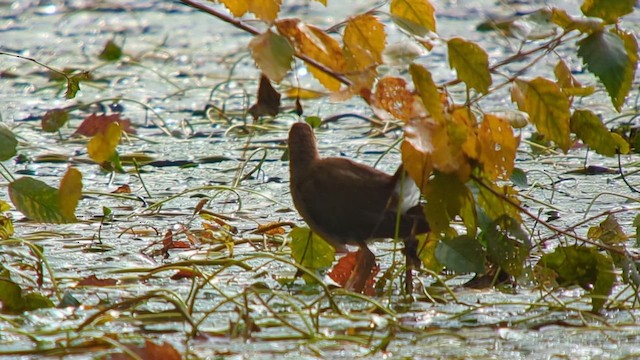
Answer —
92 280
94 124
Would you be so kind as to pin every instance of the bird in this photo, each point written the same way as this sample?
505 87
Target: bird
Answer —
349 203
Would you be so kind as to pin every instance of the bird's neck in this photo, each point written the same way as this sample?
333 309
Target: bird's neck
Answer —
302 151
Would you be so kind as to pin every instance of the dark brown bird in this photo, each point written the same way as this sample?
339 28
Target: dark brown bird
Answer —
347 203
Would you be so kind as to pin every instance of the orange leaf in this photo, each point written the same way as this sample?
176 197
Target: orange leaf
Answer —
316 44
498 147
393 96
364 40
344 269
150 351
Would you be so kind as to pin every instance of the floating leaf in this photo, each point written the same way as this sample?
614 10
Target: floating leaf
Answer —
498 147
462 254
273 54
590 129
315 44
70 193
54 119
8 143
426 88
547 107
364 40
608 10
415 16
38 201
471 63
310 251
94 124
583 266
605 55
102 146
110 52
10 296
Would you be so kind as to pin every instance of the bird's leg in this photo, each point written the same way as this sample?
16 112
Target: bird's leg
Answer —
365 261
411 259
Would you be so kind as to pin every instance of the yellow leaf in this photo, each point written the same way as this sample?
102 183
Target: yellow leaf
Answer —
364 40
426 88
393 96
102 146
415 161
496 206
471 63
427 244
608 10
236 7
547 107
317 45
588 25
70 193
590 129
273 54
569 84
415 16
497 147
304 94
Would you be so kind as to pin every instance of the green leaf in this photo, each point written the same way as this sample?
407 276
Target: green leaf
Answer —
547 106
8 143
636 223
10 296
426 88
313 121
54 119
73 84
310 251
605 55
273 54
583 266
448 197
111 52
471 63
462 254
34 301
608 10
37 200
519 178
590 129
507 245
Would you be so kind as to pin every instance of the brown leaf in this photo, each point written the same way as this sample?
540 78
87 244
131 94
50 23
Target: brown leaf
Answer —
268 100
344 268
393 96
123 189
94 124
92 280
150 351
